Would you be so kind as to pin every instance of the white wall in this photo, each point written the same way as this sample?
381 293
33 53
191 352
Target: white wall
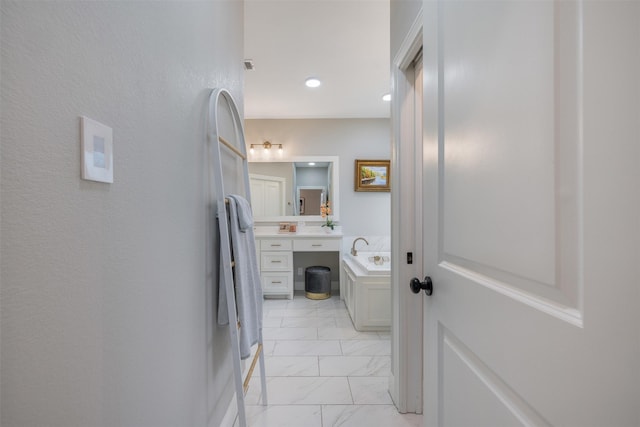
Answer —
361 214
106 292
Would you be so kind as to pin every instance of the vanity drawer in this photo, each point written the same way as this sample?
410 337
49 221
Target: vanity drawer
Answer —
316 245
277 283
276 261
275 244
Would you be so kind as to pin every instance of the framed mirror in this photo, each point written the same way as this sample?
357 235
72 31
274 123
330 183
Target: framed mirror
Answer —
293 189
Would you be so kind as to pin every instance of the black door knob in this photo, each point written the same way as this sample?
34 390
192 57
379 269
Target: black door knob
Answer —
416 285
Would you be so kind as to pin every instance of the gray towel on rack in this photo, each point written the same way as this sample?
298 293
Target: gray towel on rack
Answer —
245 217
247 278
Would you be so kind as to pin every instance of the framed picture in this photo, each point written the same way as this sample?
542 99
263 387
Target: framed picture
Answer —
373 175
283 227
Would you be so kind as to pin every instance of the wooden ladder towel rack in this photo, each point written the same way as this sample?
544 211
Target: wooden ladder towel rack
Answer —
221 98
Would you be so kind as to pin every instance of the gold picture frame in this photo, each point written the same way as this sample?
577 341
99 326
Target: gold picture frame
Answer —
373 175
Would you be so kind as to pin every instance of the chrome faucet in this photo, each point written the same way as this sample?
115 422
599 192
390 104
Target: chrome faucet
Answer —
353 247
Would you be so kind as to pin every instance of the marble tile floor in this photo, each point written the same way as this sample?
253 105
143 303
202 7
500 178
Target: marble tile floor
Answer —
320 371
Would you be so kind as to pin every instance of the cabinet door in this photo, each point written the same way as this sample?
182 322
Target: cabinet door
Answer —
277 283
275 244
276 261
316 245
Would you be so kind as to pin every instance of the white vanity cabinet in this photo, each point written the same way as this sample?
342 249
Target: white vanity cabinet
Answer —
276 266
275 255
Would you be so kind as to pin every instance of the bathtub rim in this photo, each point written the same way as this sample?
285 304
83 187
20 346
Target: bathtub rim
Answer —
361 270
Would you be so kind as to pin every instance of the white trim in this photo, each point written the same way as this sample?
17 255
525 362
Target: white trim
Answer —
335 184
410 45
512 402
266 177
231 414
552 308
407 324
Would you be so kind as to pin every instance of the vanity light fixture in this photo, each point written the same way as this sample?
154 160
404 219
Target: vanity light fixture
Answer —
266 145
312 82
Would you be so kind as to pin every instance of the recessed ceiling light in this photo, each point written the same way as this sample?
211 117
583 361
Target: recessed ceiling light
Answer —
386 97
312 82
312 164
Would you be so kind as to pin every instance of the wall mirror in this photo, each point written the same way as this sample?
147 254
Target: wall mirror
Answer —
292 189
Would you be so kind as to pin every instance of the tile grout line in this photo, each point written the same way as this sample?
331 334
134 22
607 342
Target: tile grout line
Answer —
353 401
324 326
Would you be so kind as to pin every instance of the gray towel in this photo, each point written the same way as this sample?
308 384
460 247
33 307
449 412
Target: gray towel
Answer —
245 217
247 278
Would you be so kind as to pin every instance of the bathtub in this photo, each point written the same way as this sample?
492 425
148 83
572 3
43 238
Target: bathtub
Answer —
367 290
374 263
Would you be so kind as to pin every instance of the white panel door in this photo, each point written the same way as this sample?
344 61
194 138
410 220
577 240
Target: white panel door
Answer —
257 196
273 200
267 195
531 202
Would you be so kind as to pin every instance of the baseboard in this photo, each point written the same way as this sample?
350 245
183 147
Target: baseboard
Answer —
231 414
393 391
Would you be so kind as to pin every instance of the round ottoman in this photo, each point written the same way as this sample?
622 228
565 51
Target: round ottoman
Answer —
317 282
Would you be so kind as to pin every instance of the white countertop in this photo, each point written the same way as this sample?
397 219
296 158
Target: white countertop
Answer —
309 231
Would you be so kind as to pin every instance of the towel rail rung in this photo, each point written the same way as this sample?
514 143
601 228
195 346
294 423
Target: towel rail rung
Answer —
253 365
232 148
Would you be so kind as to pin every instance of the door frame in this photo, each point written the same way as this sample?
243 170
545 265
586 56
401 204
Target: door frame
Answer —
405 385
323 197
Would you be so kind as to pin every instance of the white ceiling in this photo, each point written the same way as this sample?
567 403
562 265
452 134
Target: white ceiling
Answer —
344 43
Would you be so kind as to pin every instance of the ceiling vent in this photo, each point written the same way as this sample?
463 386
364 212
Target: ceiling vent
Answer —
248 64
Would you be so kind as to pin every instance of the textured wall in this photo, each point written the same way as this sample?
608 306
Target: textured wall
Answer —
106 289
361 214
